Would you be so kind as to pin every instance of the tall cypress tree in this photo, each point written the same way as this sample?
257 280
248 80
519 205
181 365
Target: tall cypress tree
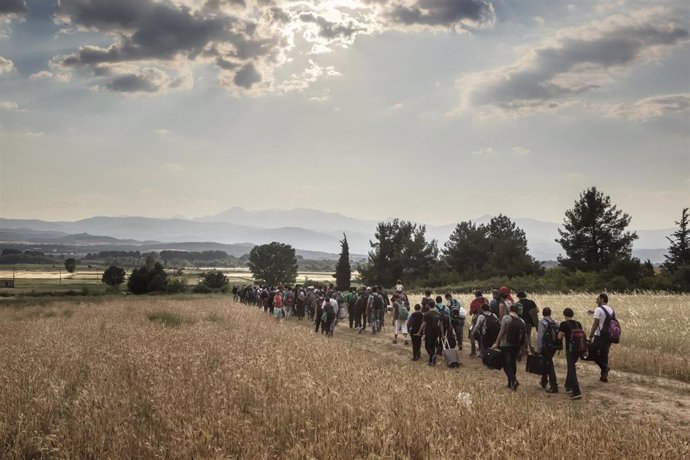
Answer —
679 251
343 271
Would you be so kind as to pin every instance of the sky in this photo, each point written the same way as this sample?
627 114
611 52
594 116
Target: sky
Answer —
431 110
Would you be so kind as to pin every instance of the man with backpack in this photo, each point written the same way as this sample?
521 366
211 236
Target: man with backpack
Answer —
351 299
432 329
529 314
400 314
605 331
486 329
457 317
511 340
362 302
375 305
548 344
575 344
414 324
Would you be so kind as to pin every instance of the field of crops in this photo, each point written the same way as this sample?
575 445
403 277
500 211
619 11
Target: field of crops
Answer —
204 378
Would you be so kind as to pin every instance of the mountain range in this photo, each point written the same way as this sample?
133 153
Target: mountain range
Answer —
306 229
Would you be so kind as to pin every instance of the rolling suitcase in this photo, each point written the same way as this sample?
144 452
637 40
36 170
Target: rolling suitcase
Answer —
534 364
493 359
450 355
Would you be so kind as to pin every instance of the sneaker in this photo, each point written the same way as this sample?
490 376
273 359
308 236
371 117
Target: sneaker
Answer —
542 385
552 390
576 396
395 340
515 385
568 390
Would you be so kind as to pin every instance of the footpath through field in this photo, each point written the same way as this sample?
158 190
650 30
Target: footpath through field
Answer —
635 396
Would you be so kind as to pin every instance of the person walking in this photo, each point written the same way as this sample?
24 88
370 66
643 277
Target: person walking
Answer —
602 316
475 311
511 341
547 345
529 314
432 330
414 324
572 353
457 318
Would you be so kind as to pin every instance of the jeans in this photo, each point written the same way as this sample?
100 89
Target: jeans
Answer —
416 346
549 374
571 377
510 354
459 331
602 358
431 344
351 316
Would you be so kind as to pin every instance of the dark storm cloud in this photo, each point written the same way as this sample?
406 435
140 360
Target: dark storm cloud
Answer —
12 7
132 84
444 13
247 76
574 62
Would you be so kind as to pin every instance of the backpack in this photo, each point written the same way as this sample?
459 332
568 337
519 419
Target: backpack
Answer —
352 300
377 302
520 307
490 330
434 324
403 314
611 330
549 341
516 332
455 314
578 341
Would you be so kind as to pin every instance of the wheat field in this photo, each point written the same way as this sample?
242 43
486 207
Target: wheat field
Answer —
205 378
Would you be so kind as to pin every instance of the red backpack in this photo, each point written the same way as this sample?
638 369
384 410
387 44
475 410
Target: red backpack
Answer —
578 341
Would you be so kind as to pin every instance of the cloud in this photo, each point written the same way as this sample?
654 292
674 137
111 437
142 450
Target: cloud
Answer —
162 131
463 14
30 134
246 40
6 66
522 151
648 108
9 105
12 7
573 62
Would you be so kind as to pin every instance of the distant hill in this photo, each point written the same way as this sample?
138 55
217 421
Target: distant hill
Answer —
307 229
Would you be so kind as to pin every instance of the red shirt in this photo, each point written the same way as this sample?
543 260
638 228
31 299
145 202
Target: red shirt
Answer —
476 305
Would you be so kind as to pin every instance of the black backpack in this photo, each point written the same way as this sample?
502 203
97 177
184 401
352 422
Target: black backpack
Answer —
455 315
516 332
352 300
549 341
491 329
377 302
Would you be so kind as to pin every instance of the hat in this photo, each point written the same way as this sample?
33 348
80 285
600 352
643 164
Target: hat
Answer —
521 295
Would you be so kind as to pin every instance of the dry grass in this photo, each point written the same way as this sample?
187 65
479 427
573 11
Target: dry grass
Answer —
228 382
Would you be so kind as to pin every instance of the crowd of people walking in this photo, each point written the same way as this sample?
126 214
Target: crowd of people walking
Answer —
500 329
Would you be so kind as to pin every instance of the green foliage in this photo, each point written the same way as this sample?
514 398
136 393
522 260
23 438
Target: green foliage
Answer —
400 251
70 265
145 279
273 263
594 233
496 249
215 280
176 286
113 276
678 257
343 271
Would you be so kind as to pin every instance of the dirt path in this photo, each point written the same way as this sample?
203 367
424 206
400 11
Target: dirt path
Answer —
663 401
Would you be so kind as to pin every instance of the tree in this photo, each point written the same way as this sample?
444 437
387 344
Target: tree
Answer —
679 250
113 276
145 279
273 263
593 233
399 252
498 248
215 279
466 250
70 265
343 271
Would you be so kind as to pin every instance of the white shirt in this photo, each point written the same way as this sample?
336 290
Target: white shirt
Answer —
601 316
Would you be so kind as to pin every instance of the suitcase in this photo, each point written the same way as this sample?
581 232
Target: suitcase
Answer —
534 364
450 355
493 359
